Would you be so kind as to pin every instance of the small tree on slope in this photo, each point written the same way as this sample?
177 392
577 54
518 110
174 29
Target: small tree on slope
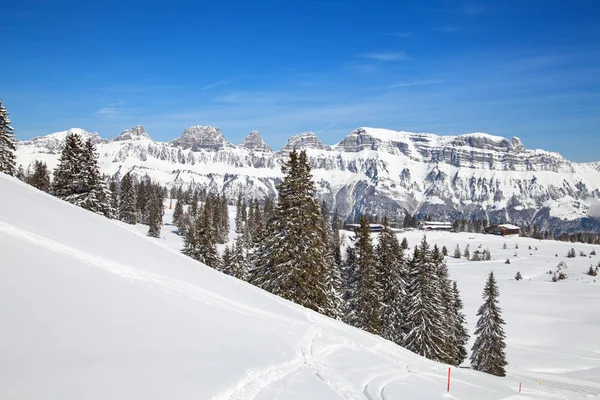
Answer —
7 144
488 353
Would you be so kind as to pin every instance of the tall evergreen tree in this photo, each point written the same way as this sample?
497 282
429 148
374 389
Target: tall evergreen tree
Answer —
113 187
446 295
349 286
424 319
238 265
333 279
178 211
94 195
240 214
40 177
155 212
392 276
459 334
200 242
127 200
369 292
336 226
488 351
68 180
291 258
7 144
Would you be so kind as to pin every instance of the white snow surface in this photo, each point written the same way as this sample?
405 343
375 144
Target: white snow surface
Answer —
94 309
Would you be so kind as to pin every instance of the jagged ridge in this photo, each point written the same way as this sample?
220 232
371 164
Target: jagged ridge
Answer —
371 171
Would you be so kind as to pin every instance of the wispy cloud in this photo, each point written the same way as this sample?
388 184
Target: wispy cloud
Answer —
215 84
108 113
386 56
473 8
402 34
413 83
448 28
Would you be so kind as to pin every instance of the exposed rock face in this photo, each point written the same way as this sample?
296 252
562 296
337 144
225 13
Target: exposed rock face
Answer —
303 141
371 171
254 142
136 133
201 137
53 143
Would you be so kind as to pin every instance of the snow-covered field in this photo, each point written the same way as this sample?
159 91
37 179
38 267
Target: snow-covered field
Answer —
94 309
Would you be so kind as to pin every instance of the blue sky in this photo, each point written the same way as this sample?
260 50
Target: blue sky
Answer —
526 68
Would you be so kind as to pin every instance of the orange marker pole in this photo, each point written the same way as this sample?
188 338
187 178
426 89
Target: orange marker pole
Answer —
520 387
448 378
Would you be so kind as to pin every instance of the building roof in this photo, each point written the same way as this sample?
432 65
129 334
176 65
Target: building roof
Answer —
508 226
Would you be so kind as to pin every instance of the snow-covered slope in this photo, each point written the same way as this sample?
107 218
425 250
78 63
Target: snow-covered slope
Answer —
92 310
371 171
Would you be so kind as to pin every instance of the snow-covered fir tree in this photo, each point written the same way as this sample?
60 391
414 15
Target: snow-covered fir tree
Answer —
447 297
240 214
349 285
333 279
459 333
68 174
199 242
94 195
488 352
226 260
336 226
290 259
425 333
235 265
7 144
457 253
369 292
404 244
467 253
77 177
155 211
40 177
127 200
178 210
392 274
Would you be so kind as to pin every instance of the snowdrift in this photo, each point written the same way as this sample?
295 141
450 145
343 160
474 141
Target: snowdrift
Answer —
92 310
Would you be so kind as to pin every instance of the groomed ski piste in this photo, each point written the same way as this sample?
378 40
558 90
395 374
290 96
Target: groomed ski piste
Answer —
93 309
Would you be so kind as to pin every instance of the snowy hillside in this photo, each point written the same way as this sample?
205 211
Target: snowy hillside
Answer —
93 310
371 171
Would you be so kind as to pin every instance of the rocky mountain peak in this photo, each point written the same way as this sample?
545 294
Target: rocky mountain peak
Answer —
517 146
136 133
54 142
255 142
201 137
306 140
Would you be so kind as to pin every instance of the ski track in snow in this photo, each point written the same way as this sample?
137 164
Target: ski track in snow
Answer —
370 384
166 284
250 386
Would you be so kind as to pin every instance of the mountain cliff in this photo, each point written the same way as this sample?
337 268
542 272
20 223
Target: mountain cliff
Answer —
371 171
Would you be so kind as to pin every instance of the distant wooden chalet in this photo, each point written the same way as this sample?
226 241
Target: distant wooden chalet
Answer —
372 227
435 226
503 229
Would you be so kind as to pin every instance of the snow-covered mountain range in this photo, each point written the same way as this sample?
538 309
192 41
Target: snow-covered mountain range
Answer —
373 171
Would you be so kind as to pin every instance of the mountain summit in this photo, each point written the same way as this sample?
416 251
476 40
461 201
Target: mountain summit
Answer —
371 171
